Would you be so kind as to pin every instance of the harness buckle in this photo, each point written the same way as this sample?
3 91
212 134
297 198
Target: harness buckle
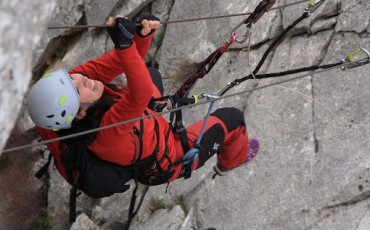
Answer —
159 106
349 62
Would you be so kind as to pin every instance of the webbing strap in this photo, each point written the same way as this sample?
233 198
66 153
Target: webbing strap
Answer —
205 67
277 41
181 131
131 212
72 199
44 168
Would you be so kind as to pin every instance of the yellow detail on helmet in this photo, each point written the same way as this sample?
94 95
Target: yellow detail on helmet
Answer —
62 100
47 75
69 118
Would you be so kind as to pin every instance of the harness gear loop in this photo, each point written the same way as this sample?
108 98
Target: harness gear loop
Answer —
263 7
349 62
312 6
192 155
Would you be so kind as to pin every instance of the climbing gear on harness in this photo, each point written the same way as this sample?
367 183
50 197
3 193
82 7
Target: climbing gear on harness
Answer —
122 33
57 110
178 100
192 155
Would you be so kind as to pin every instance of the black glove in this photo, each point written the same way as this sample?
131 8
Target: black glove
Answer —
140 18
122 33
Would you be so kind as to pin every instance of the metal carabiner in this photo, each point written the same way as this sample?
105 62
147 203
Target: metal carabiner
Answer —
313 5
349 62
233 32
263 7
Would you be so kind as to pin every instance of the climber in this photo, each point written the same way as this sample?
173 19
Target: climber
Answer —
65 103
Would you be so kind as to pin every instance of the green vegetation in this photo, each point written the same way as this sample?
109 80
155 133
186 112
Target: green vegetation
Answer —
180 200
44 222
160 38
156 204
61 52
45 189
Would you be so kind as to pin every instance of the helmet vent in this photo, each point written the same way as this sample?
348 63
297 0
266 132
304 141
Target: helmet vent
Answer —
63 113
50 116
57 123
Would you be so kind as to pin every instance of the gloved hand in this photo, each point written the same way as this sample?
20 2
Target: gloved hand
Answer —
148 24
122 32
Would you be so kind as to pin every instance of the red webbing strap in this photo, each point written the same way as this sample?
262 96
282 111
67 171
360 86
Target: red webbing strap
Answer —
206 66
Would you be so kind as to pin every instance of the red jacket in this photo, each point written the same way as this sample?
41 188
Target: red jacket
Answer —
118 144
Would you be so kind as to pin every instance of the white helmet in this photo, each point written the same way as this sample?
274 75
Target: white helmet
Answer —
53 101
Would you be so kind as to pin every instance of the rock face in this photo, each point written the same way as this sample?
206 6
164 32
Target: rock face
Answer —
22 25
313 171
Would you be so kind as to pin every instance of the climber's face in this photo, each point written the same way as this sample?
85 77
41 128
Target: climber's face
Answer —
89 90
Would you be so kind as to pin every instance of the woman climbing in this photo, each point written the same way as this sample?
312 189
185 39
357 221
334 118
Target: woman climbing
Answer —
62 103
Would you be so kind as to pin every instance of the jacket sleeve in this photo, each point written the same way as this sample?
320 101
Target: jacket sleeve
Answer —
133 103
108 67
143 44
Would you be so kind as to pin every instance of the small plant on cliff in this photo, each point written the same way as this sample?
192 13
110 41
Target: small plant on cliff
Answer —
45 189
180 200
44 222
61 52
160 39
156 204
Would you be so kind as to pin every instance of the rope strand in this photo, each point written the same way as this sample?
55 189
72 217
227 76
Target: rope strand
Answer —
176 21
